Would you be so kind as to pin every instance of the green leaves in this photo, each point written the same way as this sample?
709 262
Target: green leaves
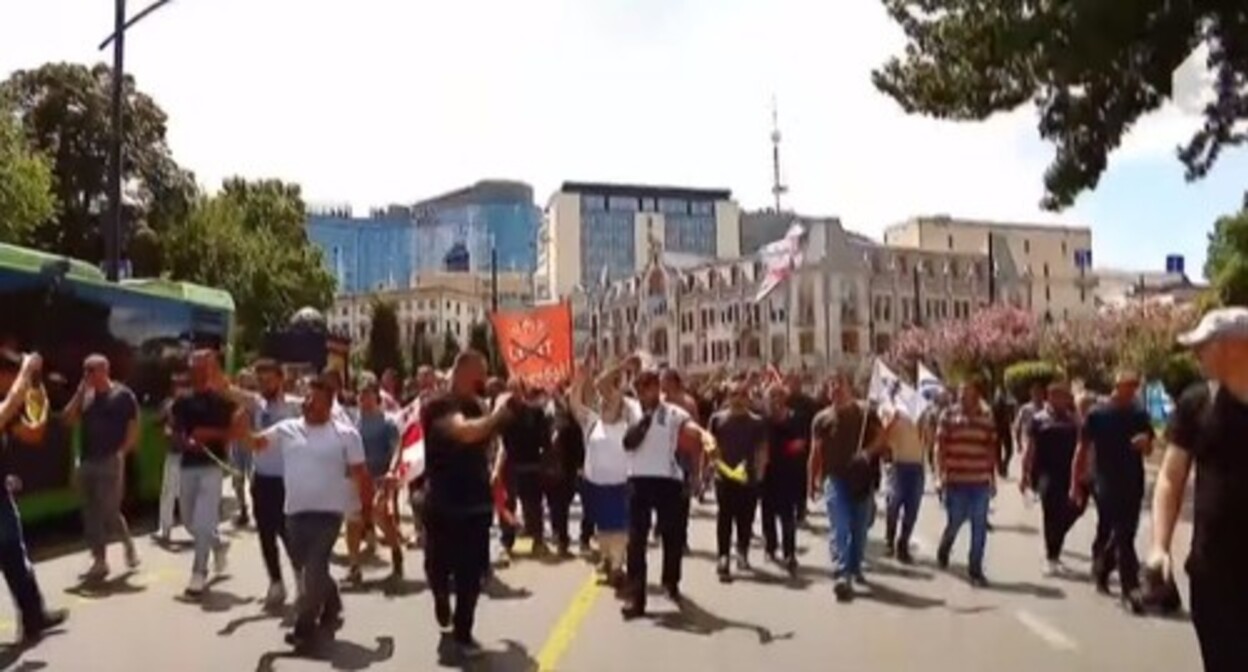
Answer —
1227 263
1092 67
26 200
383 337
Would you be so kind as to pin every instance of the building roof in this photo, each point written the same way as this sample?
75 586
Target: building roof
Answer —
987 224
645 191
484 191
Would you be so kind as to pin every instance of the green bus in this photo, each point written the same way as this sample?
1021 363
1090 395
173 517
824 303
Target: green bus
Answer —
66 309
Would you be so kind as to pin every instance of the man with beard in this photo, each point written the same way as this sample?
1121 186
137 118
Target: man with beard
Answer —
784 481
459 505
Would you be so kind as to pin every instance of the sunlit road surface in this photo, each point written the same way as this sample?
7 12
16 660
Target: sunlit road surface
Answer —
550 615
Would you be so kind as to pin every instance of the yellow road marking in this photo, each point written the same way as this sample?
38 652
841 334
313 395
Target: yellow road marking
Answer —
569 623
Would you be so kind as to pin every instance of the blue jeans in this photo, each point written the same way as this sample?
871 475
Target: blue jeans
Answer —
963 503
905 495
850 519
19 572
201 495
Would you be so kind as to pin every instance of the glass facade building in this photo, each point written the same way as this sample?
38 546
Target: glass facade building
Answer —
365 254
489 215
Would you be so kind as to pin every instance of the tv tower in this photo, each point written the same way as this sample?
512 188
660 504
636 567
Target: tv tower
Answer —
778 189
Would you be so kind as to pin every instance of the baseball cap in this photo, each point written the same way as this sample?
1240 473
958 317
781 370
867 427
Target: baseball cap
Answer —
1217 323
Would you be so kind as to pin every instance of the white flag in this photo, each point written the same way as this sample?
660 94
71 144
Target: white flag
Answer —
888 391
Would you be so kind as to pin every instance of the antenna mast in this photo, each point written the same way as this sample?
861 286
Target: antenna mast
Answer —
778 189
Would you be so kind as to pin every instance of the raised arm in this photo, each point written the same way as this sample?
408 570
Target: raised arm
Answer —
13 401
467 431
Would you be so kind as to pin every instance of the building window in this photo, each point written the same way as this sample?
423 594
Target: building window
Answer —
1026 246
1046 269
673 206
849 341
806 343
622 204
593 203
702 208
1063 249
1048 294
951 242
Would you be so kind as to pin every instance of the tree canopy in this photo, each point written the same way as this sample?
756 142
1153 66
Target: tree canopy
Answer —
1093 68
26 200
64 110
1226 264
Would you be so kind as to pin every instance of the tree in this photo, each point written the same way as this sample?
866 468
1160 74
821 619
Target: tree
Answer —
64 111
992 339
269 278
383 350
450 350
1092 67
1226 264
481 338
26 200
421 349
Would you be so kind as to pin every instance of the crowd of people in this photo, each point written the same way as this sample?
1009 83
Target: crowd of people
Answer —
637 445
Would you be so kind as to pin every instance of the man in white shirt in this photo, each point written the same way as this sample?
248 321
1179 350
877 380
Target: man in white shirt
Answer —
317 452
656 483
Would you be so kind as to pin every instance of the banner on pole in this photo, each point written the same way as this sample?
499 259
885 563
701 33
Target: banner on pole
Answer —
536 343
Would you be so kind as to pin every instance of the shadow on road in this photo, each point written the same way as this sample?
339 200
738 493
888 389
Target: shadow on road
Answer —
389 586
1016 528
514 657
692 618
236 624
12 653
885 594
96 589
497 589
341 654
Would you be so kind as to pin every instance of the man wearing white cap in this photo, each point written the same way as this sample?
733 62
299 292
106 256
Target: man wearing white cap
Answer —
1209 428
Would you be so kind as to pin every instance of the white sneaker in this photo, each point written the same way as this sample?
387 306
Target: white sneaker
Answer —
276 596
195 588
221 559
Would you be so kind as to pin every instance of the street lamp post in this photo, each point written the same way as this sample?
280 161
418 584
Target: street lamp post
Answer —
112 230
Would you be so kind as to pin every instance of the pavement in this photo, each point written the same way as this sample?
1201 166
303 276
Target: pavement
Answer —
542 615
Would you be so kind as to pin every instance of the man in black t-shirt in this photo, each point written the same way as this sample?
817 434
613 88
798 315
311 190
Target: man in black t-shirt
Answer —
16 376
784 483
1208 429
204 419
459 504
527 443
741 461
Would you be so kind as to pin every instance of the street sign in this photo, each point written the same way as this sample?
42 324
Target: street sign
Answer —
1175 264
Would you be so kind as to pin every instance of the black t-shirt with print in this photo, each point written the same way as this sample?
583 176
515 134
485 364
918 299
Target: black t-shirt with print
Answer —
1213 428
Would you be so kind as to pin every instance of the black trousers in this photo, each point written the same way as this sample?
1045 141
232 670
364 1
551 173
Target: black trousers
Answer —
781 496
663 499
736 504
559 492
1059 514
1220 615
19 572
457 547
1119 513
268 499
587 523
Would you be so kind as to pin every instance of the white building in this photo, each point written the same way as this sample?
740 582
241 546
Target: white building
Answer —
851 296
592 229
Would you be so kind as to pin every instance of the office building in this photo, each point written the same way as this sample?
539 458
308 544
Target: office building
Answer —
458 230
1054 261
364 254
594 229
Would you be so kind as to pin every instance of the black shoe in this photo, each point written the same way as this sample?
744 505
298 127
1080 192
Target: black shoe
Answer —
790 565
978 580
890 549
903 555
632 611
332 622
860 578
942 559
843 590
242 520
1102 585
52 618
743 562
772 557
301 642
722 571
442 611
1133 601
469 648
673 591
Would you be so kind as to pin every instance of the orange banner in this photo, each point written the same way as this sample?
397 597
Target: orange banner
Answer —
537 343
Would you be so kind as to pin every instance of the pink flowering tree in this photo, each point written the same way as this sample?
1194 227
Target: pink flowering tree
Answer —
989 341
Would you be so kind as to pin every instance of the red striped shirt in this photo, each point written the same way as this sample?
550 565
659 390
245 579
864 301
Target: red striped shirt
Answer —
968 447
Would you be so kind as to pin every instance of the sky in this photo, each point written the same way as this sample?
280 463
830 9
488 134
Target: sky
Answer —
380 101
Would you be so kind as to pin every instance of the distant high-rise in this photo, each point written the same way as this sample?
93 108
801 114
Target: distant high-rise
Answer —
491 214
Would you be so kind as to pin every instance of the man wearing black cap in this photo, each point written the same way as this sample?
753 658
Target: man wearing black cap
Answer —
1208 430
16 377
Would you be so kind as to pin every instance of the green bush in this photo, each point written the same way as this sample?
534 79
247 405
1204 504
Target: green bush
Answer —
1020 377
1180 371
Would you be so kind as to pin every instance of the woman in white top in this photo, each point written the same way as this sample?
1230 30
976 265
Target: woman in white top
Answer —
606 464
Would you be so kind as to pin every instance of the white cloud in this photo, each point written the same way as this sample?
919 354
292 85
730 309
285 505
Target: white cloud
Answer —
393 100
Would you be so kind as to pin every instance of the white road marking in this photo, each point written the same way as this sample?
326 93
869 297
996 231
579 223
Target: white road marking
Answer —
1051 635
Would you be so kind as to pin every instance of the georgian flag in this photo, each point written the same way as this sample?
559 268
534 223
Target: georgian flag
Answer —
780 259
411 444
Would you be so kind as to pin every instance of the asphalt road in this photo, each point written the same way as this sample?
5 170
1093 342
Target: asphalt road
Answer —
550 616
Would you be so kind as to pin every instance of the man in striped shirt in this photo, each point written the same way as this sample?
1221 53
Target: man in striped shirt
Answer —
966 460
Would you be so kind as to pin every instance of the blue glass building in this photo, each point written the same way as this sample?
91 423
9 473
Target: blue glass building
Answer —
365 254
491 214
